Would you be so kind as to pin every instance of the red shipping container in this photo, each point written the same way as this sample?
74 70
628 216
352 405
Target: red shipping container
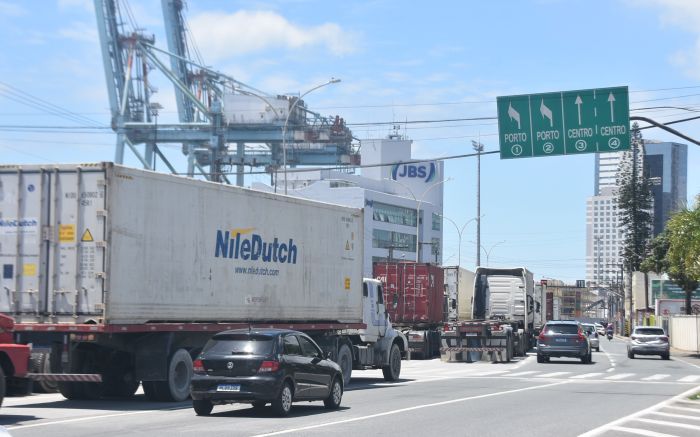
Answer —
413 293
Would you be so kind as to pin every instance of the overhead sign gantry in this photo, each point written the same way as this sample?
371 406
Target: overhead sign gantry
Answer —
564 122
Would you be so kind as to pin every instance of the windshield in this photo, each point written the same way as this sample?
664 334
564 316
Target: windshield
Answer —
240 344
650 331
561 329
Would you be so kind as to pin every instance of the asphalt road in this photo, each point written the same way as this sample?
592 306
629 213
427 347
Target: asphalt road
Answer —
610 397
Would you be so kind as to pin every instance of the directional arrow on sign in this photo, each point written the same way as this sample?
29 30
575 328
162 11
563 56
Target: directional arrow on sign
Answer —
513 114
611 99
546 112
578 104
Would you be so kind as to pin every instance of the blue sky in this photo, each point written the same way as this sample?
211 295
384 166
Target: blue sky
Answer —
398 61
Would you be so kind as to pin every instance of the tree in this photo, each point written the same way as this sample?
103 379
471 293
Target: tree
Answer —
634 205
683 254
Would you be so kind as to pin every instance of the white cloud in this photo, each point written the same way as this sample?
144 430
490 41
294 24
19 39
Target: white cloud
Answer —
221 36
78 31
684 14
11 10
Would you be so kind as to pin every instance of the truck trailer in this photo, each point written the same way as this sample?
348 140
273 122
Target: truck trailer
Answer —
415 299
502 319
124 274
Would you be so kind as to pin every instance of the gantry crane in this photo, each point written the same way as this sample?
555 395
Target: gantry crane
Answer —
215 111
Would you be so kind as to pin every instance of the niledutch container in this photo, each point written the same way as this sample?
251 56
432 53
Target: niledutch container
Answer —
103 243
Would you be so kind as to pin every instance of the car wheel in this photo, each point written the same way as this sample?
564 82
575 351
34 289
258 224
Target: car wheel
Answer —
332 402
630 355
393 370
283 403
666 356
597 349
540 358
258 405
202 407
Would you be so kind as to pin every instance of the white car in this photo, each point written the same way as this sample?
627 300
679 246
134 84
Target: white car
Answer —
600 329
590 330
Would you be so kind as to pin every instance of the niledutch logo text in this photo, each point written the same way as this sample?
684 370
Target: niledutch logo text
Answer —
236 245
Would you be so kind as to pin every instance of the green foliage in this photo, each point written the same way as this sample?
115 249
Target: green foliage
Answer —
634 203
656 260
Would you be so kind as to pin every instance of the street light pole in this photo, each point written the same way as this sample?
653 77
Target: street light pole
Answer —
488 252
286 121
459 236
478 147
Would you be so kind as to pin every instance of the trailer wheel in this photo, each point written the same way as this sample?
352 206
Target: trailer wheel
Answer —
2 385
393 370
345 363
177 387
83 362
41 363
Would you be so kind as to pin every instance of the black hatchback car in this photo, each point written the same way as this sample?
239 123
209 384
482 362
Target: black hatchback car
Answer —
263 366
563 338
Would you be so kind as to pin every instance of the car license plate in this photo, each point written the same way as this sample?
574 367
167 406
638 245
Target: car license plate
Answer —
228 387
560 340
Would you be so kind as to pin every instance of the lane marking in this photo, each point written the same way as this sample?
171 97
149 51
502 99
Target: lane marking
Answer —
403 410
689 378
586 375
656 377
82 419
553 374
529 372
667 423
694 410
493 372
644 432
678 416
619 376
615 423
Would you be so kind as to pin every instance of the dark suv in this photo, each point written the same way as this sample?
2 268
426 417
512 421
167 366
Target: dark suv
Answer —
263 366
563 338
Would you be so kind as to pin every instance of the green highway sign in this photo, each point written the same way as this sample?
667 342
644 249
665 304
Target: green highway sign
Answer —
564 123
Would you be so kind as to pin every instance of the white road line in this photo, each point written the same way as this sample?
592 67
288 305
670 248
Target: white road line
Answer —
529 372
553 374
620 376
82 419
667 423
689 378
493 372
676 399
638 431
695 410
656 377
678 416
403 410
586 375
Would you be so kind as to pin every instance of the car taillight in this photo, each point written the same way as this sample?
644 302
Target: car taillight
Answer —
198 366
541 336
269 366
581 337
633 337
664 339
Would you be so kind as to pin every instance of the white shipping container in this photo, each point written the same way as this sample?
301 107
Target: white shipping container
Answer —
460 293
104 243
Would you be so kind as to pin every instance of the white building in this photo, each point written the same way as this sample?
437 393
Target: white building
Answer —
666 165
393 196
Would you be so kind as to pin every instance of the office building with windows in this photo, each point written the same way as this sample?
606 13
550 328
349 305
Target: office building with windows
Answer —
666 165
403 203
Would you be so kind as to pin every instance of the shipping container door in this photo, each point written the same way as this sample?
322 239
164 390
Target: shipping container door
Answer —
22 248
77 250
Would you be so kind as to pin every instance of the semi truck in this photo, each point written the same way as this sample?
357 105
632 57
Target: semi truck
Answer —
502 318
121 275
415 298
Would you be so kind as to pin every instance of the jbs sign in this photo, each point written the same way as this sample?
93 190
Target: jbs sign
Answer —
425 172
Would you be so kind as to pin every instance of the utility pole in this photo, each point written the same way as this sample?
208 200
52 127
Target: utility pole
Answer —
478 147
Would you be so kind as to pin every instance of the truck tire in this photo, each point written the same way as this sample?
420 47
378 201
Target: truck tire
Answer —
345 362
41 363
83 362
177 387
119 379
393 370
2 385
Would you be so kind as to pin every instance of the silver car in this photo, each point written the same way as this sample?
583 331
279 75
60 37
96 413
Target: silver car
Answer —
649 340
592 333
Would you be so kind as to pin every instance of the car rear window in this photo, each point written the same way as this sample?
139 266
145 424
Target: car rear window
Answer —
561 329
650 331
240 344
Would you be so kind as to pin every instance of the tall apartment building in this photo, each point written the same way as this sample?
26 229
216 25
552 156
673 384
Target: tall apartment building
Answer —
666 164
